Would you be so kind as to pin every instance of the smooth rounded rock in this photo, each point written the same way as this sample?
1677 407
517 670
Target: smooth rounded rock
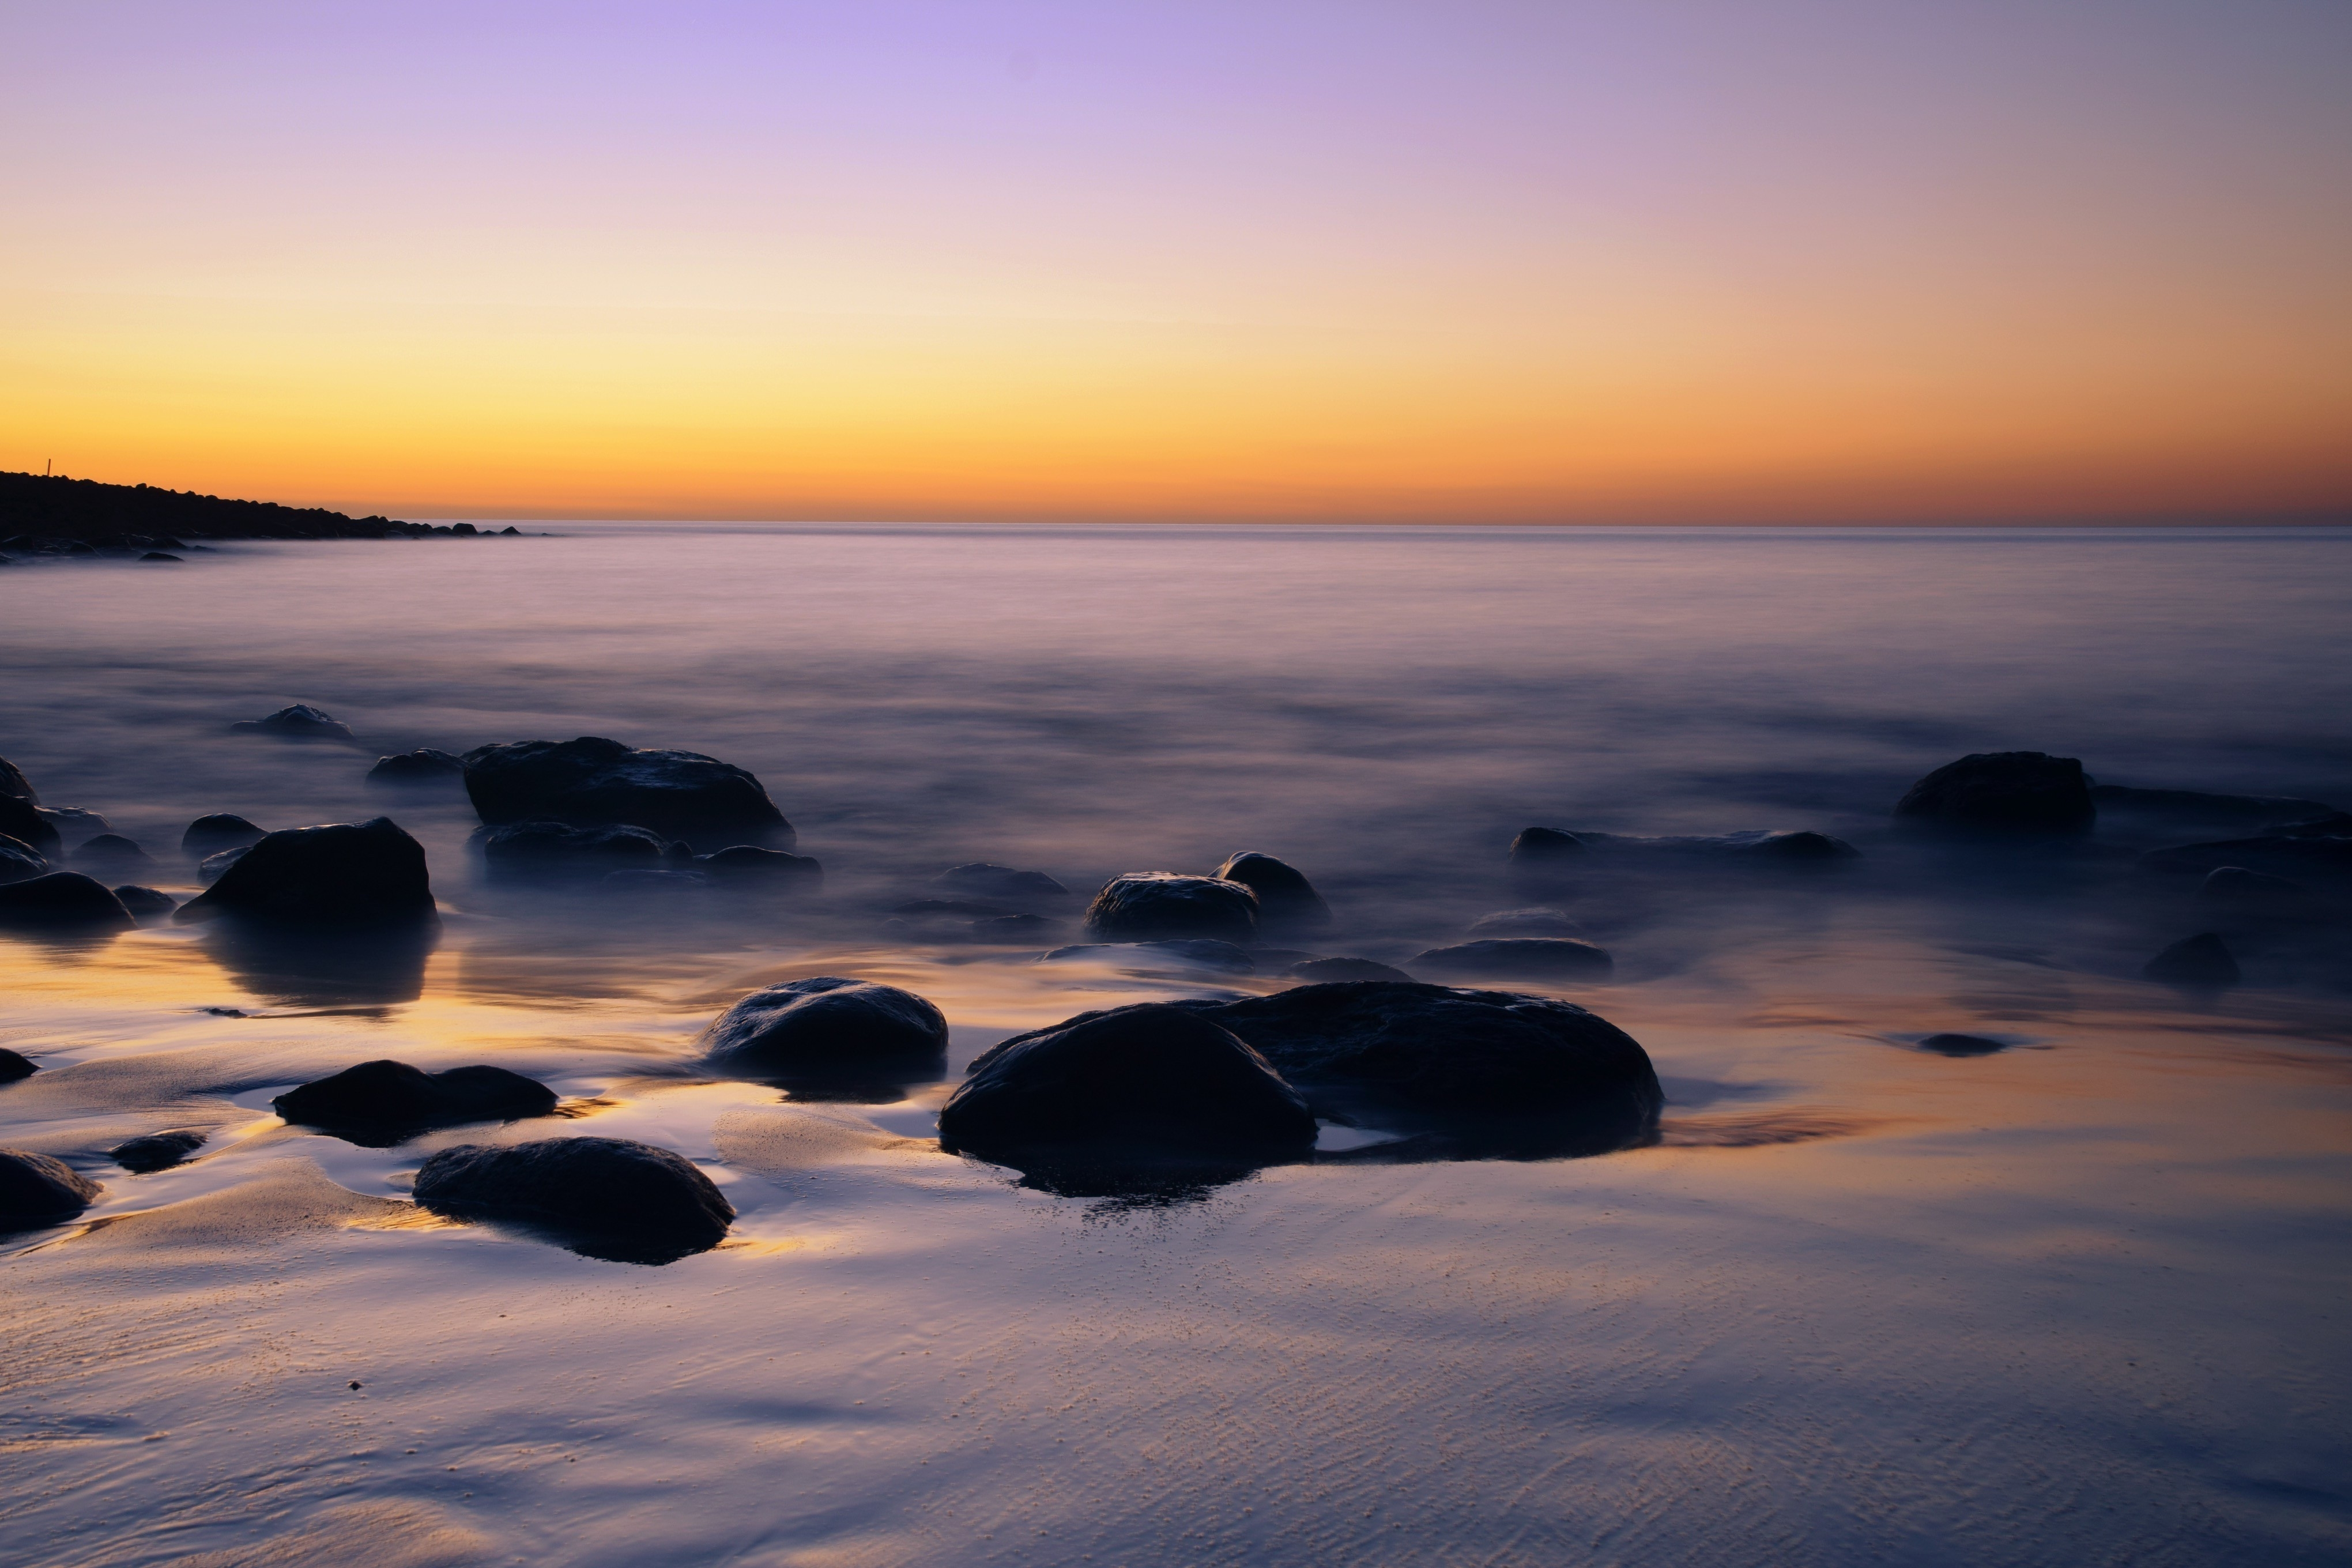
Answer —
215 866
65 901
298 721
209 836
1539 846
384 1101
827 1027
343 876
1144 1080
19 861
2018 790
14 782
112 855
986 879
747 868
427 765
14 1066
612 1199
157 1151
146 904
591 780
1284 895
1158 906
1950 1045
560 849
1517 958
2200 961
23 821
36 1190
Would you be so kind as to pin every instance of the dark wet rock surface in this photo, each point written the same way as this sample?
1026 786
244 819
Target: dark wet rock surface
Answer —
216 865
157 1151
298 721
19 861
1098 1101
1542 847
1517 958
427 767
62 900
14 1067
986 879
1159 906
146 904
591 780
341 876
2032 790
1326 970
36 1190
2200 961
22 820
1284 895
827 1030
1201 954
1951 1045
13 783
209 836
1412 1051
561 849
610 1198
380 1103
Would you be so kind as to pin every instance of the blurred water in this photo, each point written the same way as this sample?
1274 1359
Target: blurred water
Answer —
2075 1302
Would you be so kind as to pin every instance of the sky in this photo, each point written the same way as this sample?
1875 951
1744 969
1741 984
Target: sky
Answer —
1671 261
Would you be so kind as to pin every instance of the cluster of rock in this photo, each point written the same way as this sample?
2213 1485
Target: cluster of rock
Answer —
47 516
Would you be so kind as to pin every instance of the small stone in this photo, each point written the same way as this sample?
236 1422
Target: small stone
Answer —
157 1151
14 1067
1961 1044
300 722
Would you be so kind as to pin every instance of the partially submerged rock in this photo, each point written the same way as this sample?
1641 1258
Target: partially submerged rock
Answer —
611 1198
62 901
23 821
1412 1051
157 1151
1284 895
146 904
300 722
343 876
1158 906
2190 806
1203 952
1517 958
382 1102
19 861
594 780
1323 971
747 867
37 1191
2203 961
14 1067
14 782
426 765
2327 859
1951 1045
209 836
1525 923
111 854
1541 847
559 849
827 1027
986 879
216 866
1132 1085
2030 791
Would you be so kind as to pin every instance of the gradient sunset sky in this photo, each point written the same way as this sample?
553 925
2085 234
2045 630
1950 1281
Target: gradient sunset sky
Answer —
1682 260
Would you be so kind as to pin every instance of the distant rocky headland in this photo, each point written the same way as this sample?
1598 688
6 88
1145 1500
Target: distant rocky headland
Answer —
42 516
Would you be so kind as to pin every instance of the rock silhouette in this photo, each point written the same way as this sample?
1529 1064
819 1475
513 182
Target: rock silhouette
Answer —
112 855
1325 970
19 861
1156 906
1517 958
21 820
62 901
14 782
37 1191
382 1102
829 1028
298 722
747 866
610 1198
985 879
339 876
14 1067
2018 790
209 836
1284 895
594 781
1540 846
156 1151
2188 807
560 849
1961 1044
426 765
215 866
146 904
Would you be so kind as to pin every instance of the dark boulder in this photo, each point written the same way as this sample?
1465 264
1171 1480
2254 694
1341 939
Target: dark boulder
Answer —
1539 846
984 880
1198 952
37 1191
21 820
1156 906
343 876
827 1028
1961 1044
1132 1085
2248 813
591 780
2029 791
298 722
19 861
1517 958
380 1103
62 900
1284 895
112 855
214 866
1525 922
426 765
209 836
1413 1051
14 1067
609 1199
747 867
559 849
156 1151
2202 960
13 781
146 904
1323 971
74 821
161 556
